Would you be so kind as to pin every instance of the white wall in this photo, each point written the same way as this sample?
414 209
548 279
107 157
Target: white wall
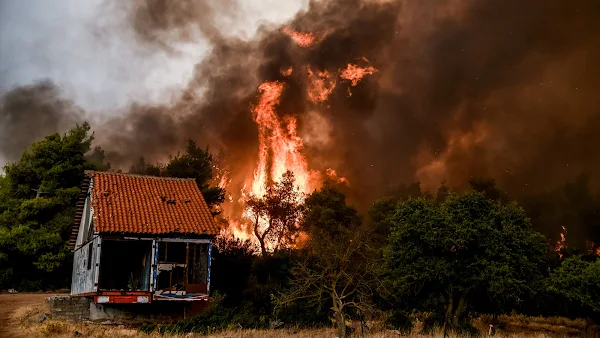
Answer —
84 280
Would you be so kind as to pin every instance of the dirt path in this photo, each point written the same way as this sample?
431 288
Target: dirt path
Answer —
9 302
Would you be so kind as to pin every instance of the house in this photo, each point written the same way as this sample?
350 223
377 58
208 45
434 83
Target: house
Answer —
141 239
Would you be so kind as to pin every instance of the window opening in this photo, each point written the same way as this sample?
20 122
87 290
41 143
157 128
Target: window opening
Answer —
90 252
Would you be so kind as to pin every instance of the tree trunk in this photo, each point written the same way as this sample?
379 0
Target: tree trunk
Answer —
261 239
449 311
338 316
340 324
460 308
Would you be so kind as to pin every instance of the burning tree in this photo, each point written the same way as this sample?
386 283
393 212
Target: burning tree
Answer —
338 267
275 215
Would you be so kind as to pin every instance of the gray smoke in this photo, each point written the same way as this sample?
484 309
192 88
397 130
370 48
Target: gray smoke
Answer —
28 113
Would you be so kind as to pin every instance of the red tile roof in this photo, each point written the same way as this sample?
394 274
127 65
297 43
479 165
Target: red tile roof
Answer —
127 203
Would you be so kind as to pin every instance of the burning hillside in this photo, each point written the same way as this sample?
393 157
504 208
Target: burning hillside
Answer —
380 93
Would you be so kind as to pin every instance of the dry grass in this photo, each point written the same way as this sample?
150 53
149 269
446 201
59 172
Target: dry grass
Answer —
26 326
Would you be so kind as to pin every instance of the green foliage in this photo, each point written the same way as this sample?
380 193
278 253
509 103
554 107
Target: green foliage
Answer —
578 281
96 160
37 205
453 255
339 264
195 163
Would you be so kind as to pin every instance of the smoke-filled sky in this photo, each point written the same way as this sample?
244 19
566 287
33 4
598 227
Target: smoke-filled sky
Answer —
507 89
86 53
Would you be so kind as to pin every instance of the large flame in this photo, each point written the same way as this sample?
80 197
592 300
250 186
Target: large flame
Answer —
280 148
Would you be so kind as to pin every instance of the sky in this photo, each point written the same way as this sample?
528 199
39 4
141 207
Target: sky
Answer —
88 49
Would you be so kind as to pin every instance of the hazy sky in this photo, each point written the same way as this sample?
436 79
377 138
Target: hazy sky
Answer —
89 50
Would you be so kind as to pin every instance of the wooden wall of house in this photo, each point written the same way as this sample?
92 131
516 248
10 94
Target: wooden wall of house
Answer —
85 267
87 252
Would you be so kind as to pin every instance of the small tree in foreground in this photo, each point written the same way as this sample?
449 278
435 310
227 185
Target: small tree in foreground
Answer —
338 265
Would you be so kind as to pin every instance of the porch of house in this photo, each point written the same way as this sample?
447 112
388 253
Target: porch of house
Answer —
142 270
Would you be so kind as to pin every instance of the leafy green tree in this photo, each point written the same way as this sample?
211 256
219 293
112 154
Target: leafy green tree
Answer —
578 281
338 267
141 167
453 253
96 159
195 163
488 187
37 205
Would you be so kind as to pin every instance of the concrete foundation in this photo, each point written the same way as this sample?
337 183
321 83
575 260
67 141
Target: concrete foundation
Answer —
69 307
77 308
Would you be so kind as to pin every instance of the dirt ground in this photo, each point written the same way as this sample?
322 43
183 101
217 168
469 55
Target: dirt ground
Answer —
10 302
18 313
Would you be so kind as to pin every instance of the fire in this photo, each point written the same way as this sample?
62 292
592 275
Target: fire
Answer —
287 72
592 249
280 148
301 39
333 175
321 86
562 244
355 73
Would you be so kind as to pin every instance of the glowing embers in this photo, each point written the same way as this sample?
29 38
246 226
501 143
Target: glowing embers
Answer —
301 39
322 84
333 175
286 71
354 73
562 244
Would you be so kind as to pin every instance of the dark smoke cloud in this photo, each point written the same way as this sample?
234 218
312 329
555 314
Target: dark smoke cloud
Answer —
29 113
465 88
482 87
162 22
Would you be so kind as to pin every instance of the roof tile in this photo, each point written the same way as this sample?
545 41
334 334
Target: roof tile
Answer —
128 203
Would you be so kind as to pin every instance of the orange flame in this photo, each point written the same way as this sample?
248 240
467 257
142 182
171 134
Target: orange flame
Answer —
279 145
333 175
287 72
592 249
321 85
301 39
562 244
355 73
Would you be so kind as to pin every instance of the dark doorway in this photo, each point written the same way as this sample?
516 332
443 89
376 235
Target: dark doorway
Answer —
125 265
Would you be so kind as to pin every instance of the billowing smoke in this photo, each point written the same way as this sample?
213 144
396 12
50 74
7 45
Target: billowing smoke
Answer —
29 113
463 88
